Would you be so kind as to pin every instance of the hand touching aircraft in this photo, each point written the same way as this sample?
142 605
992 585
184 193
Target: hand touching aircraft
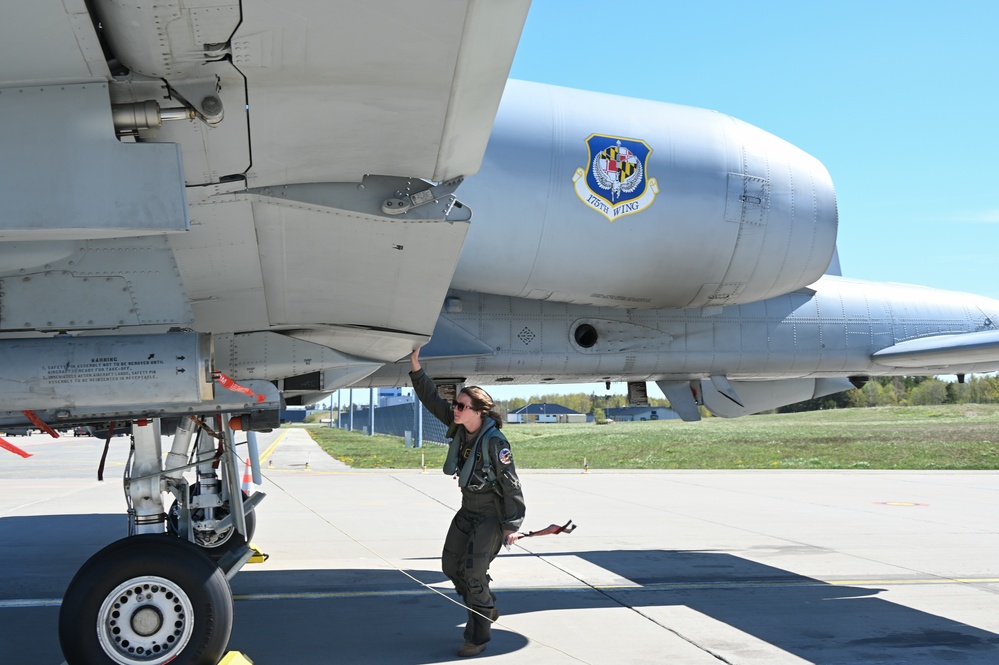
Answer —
212 208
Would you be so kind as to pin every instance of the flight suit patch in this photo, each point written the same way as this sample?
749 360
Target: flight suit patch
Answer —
505 456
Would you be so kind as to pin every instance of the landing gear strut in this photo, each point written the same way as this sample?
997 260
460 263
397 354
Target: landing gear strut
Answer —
202 512
162 595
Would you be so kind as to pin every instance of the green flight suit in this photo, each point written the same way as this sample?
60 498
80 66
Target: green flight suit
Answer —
488 507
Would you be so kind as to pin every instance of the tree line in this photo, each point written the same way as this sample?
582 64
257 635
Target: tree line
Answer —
907 391
580 402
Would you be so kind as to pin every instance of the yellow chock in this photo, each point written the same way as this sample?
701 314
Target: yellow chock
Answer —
257 557
235 658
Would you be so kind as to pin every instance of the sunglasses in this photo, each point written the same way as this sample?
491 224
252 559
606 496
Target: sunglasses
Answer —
460 406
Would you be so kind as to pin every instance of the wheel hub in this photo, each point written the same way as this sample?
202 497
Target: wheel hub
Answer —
145 620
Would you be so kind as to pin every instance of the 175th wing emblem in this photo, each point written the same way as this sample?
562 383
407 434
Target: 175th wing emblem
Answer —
614 182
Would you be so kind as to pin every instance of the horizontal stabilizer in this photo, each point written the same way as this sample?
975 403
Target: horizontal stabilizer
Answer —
960 349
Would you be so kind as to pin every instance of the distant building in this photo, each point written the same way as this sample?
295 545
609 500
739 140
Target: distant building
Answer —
545 413
392 397
633 413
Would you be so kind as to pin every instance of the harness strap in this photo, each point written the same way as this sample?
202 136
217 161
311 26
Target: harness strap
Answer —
465 473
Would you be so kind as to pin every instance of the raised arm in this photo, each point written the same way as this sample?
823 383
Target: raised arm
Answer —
426 391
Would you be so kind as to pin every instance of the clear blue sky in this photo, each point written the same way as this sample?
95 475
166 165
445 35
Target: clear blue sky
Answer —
899 100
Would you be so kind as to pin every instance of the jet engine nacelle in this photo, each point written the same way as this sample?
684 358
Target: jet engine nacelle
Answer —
606 200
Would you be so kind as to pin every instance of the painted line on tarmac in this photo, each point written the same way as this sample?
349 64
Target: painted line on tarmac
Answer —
270 449
773 584
20 603
311 472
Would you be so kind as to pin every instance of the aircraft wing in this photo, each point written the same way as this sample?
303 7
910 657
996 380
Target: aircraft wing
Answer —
941 350
336 89
232 166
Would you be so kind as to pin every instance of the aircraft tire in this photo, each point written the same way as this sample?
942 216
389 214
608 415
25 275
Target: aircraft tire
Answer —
233 540
153 599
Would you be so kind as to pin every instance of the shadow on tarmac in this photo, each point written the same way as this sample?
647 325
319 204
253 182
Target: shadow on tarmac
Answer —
362 615
819 622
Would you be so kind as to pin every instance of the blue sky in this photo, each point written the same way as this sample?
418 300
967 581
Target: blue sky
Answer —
899 100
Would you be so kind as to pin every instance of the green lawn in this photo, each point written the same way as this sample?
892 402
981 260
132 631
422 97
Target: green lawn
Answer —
933 437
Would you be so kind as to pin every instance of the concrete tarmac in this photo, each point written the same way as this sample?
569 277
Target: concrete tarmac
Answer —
698 567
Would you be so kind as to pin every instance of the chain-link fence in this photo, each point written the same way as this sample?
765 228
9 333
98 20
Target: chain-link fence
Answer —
396 420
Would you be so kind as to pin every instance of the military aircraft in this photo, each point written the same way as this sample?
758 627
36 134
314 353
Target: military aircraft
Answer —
214 209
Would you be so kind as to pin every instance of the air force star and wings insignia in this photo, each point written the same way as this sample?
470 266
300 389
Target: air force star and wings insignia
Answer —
614 181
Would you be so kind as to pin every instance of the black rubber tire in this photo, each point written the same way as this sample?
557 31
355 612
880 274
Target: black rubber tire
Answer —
191 578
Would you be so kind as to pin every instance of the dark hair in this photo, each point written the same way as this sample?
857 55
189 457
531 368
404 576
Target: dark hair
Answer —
481 401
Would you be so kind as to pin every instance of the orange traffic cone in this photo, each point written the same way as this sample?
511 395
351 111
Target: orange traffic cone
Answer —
247 485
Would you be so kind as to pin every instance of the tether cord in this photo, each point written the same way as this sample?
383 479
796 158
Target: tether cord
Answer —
419 582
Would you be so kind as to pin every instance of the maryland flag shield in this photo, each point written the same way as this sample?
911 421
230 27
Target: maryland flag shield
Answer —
614 181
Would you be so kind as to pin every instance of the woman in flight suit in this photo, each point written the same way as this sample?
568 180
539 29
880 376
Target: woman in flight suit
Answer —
492 503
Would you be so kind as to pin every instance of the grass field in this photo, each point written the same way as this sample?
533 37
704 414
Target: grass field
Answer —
962 436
